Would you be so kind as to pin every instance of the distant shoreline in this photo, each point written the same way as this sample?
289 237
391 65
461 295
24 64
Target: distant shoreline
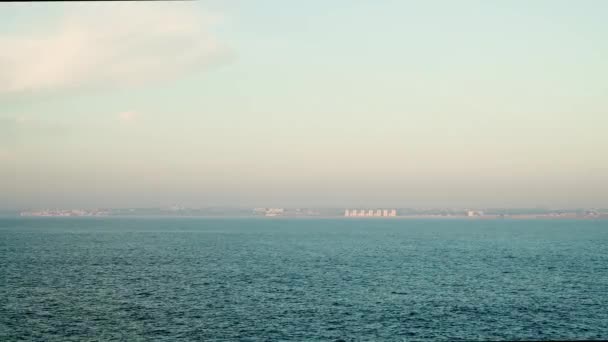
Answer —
325 217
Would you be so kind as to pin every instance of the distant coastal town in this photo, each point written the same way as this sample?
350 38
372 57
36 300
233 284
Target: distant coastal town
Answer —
345 213
65 212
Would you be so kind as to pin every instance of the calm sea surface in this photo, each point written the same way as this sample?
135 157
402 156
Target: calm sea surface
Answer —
301 280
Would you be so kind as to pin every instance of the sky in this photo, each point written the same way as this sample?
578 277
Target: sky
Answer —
340 103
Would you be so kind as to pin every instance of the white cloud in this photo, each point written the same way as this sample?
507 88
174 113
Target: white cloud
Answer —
128 116
109 44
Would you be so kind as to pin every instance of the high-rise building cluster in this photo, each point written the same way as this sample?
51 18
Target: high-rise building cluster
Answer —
370 212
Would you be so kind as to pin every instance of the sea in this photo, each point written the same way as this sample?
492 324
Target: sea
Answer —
281 279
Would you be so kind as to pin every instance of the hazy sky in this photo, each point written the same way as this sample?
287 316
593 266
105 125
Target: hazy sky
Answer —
304 103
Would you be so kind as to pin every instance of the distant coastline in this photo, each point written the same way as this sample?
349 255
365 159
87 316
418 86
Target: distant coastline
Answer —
323 213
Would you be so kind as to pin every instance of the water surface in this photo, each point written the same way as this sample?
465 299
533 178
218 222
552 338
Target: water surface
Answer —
302 279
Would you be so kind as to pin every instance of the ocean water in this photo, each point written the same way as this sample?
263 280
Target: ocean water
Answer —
118 279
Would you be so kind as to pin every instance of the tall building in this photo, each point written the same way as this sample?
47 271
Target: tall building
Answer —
393 212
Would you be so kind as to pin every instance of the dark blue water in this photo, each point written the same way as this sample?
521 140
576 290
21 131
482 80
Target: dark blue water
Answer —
302 280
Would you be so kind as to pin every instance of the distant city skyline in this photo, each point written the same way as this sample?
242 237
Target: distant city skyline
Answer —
372 104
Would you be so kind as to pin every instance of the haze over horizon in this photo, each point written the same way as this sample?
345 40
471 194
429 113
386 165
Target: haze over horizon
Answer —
315 103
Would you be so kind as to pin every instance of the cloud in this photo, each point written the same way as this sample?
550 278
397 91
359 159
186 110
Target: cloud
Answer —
128 116
110 45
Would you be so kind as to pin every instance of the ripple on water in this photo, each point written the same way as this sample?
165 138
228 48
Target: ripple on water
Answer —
259 280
